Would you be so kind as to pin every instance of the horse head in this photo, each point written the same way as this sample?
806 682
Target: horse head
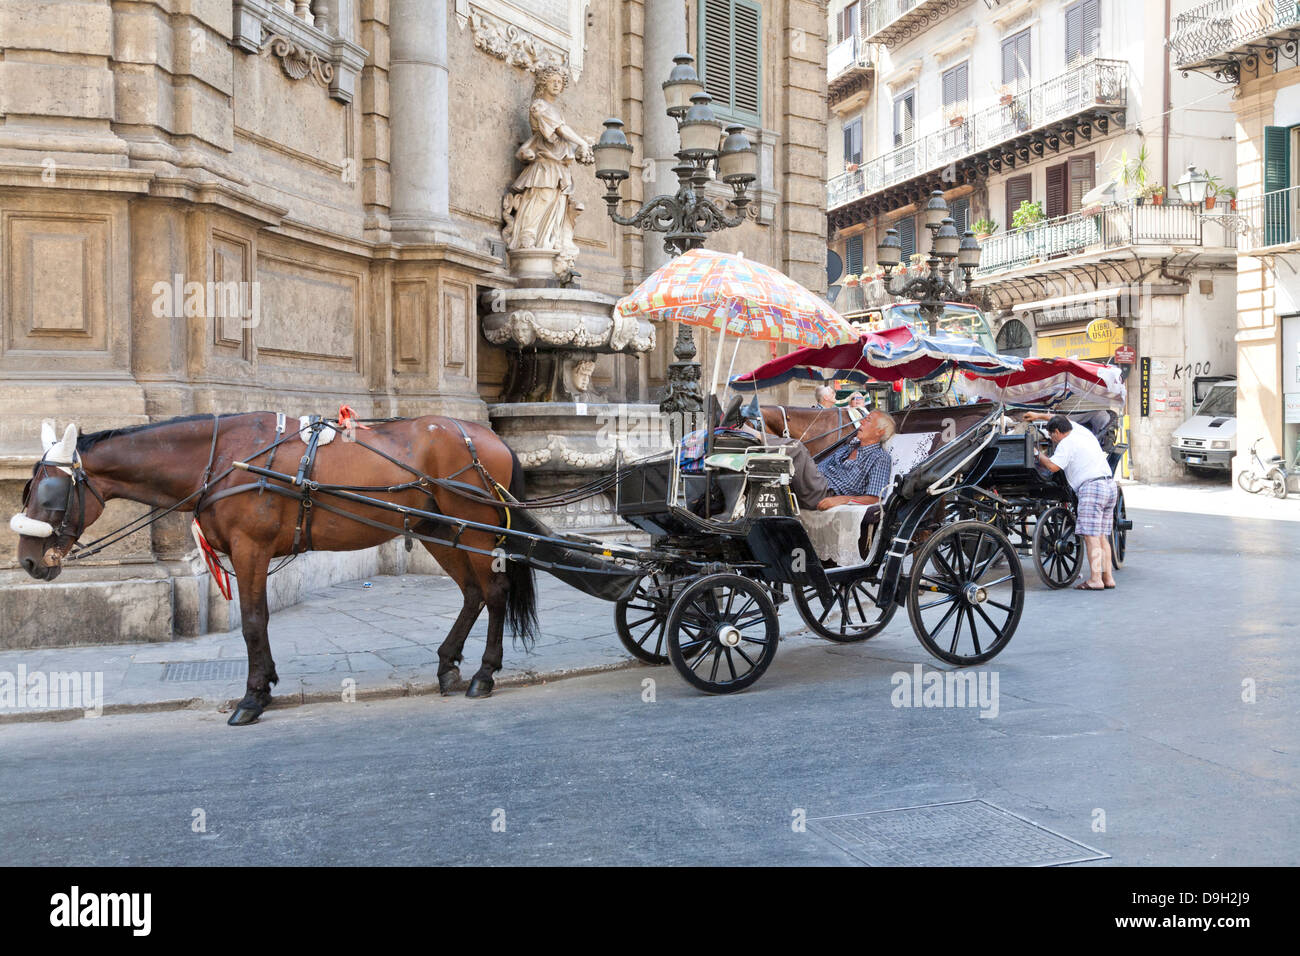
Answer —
56 508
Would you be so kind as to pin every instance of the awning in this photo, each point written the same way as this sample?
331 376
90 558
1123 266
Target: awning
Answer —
1082 307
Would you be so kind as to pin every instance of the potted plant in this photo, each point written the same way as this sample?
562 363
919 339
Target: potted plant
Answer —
1213 184
851 167
852 280
1132 174
1154 192
1029 214
955 114
1231 193
1005 95
984 228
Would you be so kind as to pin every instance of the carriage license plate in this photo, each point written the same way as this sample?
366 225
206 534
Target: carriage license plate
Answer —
765 500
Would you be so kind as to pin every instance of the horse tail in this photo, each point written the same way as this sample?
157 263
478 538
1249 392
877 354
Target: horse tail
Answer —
521 580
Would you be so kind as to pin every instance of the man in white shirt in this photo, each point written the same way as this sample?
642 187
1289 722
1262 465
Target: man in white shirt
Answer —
1088 471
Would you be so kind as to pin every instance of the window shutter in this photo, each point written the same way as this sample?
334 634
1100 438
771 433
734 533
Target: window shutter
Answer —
959 209
731 57
903 115
1018 191
1056 195
748 59
715 50
1091 26
853 142
854 253
1277 176
1073 33
955 85
1082 30
1015 60
1082 178
907 237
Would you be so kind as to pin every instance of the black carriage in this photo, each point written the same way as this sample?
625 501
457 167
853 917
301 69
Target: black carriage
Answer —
1035 508
729 546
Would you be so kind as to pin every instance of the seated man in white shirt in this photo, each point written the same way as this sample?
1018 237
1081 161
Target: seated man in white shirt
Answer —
1088 471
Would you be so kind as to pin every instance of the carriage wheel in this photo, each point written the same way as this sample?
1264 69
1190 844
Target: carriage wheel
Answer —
640 619
1058 552
854 613
966 593
1118 534
722 633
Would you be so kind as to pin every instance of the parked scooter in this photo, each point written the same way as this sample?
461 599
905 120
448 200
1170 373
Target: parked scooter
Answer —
1271 474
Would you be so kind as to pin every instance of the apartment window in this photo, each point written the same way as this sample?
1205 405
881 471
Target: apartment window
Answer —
1083 177
731 57
847 21
853 253
959 209
1277 176
1019 189
1015 61
907 236
853 141
1068 183
956 87
1014 339
904 118
1082 30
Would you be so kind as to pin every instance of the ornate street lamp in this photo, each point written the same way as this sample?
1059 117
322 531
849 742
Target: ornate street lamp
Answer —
686 218
1193 186
948 249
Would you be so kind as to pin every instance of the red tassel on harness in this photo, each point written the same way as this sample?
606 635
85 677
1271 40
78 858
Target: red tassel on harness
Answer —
219 574
349 422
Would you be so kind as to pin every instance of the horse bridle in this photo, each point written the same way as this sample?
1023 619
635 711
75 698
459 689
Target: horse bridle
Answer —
67 482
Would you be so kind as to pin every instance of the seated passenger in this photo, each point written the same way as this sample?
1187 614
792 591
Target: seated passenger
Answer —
858 472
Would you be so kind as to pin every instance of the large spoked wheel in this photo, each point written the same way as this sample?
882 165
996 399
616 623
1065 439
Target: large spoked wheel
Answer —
641 619
1119 533
966 593
722 633
854 613
1058 551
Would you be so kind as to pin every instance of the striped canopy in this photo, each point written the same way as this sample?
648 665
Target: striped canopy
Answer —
885 356
1047 382
713 289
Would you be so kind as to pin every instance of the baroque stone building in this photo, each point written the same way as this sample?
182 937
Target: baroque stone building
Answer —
213 206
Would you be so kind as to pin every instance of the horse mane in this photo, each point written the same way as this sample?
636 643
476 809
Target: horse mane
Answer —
89 441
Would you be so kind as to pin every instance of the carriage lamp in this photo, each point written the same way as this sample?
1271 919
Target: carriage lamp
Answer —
687 217
1193 186
934 287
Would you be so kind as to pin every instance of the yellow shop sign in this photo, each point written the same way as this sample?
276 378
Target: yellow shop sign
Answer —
1102 330
1078 345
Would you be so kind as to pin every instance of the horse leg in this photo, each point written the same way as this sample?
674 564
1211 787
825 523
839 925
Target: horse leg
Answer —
456 564
496 588
250 564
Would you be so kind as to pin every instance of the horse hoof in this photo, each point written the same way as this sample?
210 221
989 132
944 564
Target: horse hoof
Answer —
450 682
247 711
480 687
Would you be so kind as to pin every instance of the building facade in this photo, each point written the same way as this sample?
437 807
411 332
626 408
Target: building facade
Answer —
1251 47
210 206
1042 121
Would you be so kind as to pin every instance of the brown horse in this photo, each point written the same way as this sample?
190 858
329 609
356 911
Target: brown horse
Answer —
818 428
168 462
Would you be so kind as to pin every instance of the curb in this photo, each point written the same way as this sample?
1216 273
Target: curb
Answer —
410 688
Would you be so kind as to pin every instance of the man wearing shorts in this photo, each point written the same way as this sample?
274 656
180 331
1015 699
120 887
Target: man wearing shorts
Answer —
1088 471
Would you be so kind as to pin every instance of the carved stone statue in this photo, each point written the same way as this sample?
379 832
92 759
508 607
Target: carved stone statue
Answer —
540 210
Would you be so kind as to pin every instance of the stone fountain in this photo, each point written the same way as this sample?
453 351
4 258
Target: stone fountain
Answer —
564 433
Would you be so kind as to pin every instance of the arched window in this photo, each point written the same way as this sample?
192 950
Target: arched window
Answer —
1014 338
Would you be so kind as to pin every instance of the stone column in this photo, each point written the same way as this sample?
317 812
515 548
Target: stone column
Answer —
420 134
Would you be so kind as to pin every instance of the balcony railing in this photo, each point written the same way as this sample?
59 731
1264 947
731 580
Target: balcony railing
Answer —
1219 28
1115 225
1093 83
1272 219
849 53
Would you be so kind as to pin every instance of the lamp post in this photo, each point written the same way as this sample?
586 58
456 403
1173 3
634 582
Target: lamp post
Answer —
687 217
1194 187
947 246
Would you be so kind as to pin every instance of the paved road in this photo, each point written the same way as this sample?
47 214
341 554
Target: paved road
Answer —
1127 702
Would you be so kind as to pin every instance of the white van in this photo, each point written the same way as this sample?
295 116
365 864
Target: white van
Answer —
1208 440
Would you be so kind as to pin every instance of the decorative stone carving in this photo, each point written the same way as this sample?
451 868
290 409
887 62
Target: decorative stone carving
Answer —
505 41
540 209
529 34
297 61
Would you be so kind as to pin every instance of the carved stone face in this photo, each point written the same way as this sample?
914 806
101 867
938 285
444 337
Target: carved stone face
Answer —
555 84
582 375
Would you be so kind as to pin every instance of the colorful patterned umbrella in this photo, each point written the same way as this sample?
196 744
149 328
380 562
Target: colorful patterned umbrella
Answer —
885 356
719 290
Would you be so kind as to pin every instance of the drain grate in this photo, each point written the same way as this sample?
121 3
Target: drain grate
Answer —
965 833
229 670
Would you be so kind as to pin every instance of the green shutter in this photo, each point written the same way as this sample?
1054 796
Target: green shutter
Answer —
1277 176
731 58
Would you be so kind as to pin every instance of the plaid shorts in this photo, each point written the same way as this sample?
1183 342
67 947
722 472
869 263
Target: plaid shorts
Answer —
1096 514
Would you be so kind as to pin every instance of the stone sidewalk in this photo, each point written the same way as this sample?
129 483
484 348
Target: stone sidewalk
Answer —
381 635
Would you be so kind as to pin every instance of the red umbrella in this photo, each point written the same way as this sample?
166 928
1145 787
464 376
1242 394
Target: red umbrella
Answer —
1048 381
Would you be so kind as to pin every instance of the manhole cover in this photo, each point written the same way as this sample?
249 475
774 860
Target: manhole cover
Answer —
967 833
205 670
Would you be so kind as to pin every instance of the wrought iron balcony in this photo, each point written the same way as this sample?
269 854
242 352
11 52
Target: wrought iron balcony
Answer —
1269 221
1222 36
890 21
1054 115
848 71
1113 226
